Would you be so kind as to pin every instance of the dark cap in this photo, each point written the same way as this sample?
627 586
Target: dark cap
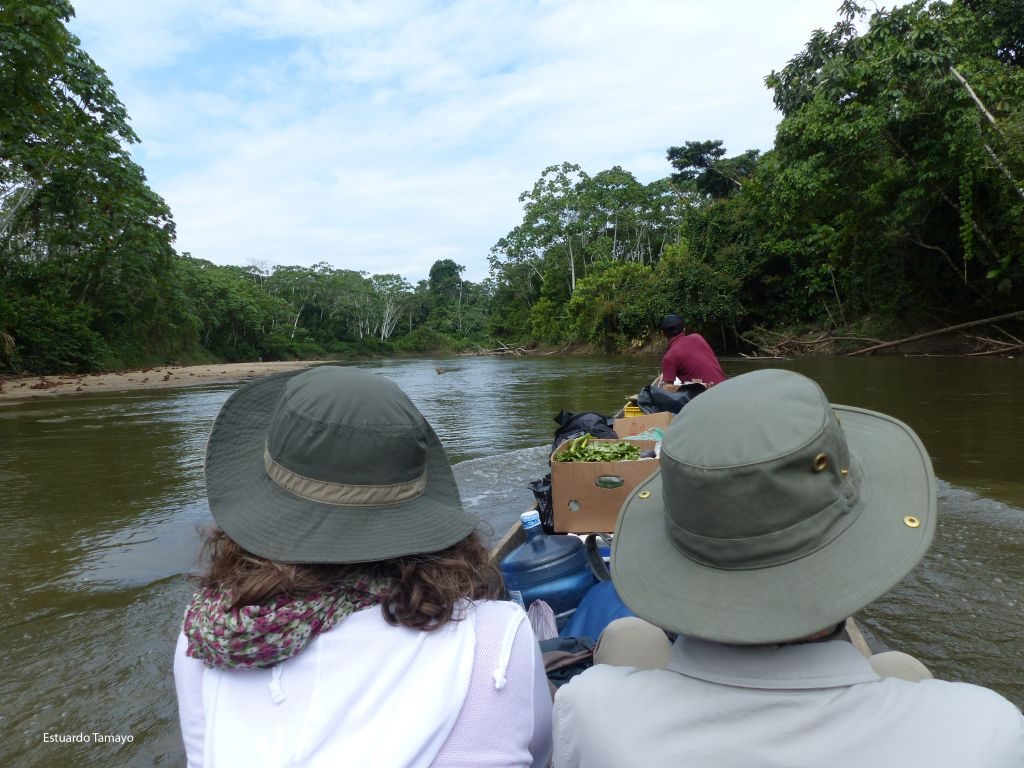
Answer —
672 325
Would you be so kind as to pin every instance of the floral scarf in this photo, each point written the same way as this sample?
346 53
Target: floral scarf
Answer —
263 635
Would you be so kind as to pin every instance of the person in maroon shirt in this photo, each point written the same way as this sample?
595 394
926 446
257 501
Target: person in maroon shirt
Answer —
689 357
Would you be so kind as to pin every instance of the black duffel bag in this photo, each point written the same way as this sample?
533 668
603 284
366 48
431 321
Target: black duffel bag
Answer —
655 400
572 425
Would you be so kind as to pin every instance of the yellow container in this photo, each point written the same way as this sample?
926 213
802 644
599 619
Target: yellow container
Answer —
630 410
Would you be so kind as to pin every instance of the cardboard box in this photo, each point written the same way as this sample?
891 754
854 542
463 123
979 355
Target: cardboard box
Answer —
637 424
583 505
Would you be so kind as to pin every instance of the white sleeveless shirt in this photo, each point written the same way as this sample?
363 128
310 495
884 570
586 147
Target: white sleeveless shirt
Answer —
367 693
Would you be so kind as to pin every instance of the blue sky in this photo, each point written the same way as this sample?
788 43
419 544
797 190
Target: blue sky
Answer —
382 136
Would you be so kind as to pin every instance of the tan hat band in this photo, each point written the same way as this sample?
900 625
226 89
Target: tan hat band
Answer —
769 549
340 494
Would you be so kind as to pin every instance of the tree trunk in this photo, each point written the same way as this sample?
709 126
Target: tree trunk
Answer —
992 121
572 267
458 308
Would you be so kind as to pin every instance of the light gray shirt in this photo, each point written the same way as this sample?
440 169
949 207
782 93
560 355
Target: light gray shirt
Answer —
813 705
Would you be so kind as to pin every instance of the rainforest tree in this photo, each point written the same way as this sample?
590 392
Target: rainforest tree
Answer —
85 246
896 182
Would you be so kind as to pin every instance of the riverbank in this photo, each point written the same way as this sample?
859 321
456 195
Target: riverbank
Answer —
18 388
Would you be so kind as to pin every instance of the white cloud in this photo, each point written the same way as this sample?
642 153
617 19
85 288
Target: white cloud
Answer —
384 135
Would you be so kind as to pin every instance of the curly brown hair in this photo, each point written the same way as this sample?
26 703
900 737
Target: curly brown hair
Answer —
426 586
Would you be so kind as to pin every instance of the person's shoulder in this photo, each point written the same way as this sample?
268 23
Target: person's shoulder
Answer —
595 683
494 615
992 721
969 698
503 608
965 694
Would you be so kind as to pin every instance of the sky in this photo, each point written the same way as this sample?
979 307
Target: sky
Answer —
384 135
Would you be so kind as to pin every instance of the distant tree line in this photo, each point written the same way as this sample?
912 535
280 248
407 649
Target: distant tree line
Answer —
892 199
89 278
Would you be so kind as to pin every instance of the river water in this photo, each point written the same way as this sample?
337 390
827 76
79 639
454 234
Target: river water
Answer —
101 497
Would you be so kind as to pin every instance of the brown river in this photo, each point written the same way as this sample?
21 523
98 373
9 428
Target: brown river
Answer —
101 497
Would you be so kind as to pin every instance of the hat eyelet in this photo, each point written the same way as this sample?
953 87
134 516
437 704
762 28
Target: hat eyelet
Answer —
643 494
820 463
912 522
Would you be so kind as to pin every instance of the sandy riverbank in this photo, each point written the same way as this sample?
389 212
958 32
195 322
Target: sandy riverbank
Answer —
30 387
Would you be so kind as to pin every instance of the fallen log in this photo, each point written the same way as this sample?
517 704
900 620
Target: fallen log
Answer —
1001 351
939 332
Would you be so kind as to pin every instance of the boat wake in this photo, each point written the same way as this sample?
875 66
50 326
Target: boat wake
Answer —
496 487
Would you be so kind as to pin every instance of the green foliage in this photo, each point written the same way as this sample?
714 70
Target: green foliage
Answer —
547 321
704 293
511 299
425 339
1003 23
389 299
573 226
226 312
616 304
88 271
76 215
893 196
704 165
456 308
891 179
966 215
57 342
583 448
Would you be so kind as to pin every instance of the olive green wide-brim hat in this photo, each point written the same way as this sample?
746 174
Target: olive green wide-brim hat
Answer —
331 465
774 515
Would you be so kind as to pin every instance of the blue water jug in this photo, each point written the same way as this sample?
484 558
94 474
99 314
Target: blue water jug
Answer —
549 568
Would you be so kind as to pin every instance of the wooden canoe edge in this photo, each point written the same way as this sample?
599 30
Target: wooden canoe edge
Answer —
512 538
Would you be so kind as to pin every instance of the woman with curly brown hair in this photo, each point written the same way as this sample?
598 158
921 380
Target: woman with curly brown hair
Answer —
349 614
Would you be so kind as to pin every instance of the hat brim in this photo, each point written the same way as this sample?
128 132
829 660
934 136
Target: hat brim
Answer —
267 521
798 598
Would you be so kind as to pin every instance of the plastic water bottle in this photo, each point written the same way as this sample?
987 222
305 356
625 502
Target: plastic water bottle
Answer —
554 569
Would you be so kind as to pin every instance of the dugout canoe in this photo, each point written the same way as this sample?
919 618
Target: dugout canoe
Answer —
515 536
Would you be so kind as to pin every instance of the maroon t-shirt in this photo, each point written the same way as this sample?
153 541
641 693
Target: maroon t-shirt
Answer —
690 357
